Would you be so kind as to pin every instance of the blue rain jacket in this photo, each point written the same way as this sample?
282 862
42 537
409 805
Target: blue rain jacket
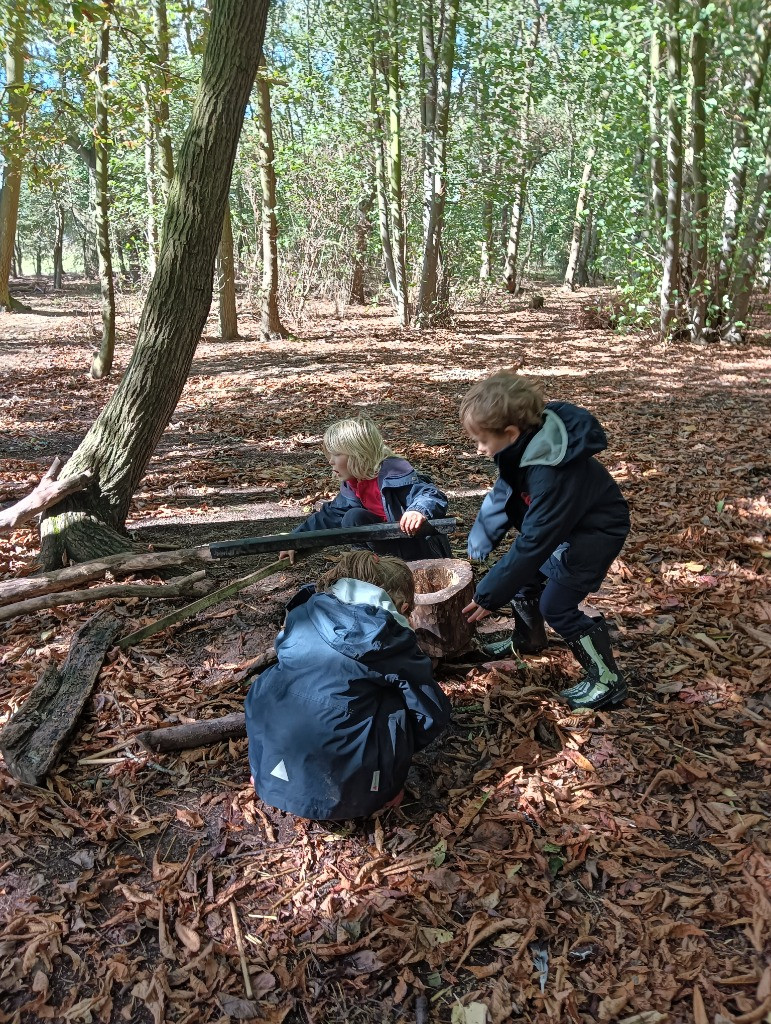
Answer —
571 515
403 489
333 726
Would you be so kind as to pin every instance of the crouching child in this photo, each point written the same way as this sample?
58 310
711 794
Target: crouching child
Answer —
334 724
572 521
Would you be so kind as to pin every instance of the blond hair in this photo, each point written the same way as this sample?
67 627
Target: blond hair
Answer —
390 574
505 399
361 441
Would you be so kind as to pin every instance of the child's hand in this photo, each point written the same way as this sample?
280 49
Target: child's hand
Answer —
475 612
411 522
291 555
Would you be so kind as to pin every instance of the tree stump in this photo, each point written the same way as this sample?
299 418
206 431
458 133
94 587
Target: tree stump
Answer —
536 302
35 736
443 587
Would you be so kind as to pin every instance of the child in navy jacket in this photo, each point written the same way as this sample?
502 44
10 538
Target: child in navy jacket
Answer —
333 725
572 521
378 487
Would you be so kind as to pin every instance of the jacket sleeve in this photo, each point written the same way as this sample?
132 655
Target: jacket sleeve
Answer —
547 522
427 707
330 515
491 523
426 498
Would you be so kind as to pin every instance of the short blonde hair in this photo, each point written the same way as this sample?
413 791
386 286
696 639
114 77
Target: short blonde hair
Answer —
390 574
503 400
361 441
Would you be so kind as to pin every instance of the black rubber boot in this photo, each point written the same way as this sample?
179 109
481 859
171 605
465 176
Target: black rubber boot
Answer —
603 685
529 636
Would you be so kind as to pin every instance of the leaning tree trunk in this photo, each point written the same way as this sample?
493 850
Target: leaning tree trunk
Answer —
121 442
101 364
9 194
671 300
697 298
486 262
226 282
270 326
579 224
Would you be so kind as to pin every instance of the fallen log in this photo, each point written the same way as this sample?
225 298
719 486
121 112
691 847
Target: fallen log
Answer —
194 734
122 564
215 597
176 588
35 736
49 491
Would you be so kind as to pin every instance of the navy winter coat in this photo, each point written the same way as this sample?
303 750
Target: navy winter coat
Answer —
403 489
571 516
333 726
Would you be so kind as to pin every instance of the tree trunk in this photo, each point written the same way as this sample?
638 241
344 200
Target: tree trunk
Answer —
381 189
58 254
119 445
750 251
519 197
271 326
699 196
579 222
436 119
658 202
585 255
670 280
744 121
151 221
165 149
9 195
226 281
394 167
361 234
102 361
486 264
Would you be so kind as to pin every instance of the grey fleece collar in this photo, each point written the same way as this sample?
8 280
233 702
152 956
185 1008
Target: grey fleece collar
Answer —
351 591
548 446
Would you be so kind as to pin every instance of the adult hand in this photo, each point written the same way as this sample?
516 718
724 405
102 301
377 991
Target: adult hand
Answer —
411 522
475 612
291 555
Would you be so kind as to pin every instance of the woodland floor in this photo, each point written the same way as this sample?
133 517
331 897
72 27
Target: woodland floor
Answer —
612 868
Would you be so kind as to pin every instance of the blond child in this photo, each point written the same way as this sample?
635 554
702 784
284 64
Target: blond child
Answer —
377 486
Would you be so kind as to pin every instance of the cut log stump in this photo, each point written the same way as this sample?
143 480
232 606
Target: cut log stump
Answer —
443 587
35 736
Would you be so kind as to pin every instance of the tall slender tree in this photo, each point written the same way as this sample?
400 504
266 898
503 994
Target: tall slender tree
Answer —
17 106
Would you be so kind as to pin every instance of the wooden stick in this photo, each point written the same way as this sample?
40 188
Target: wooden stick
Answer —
166 590
241 952
36 734
194 734
49 491
123 564
205 602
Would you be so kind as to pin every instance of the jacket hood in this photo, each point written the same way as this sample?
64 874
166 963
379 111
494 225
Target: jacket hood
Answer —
369 623
395 472
568 432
